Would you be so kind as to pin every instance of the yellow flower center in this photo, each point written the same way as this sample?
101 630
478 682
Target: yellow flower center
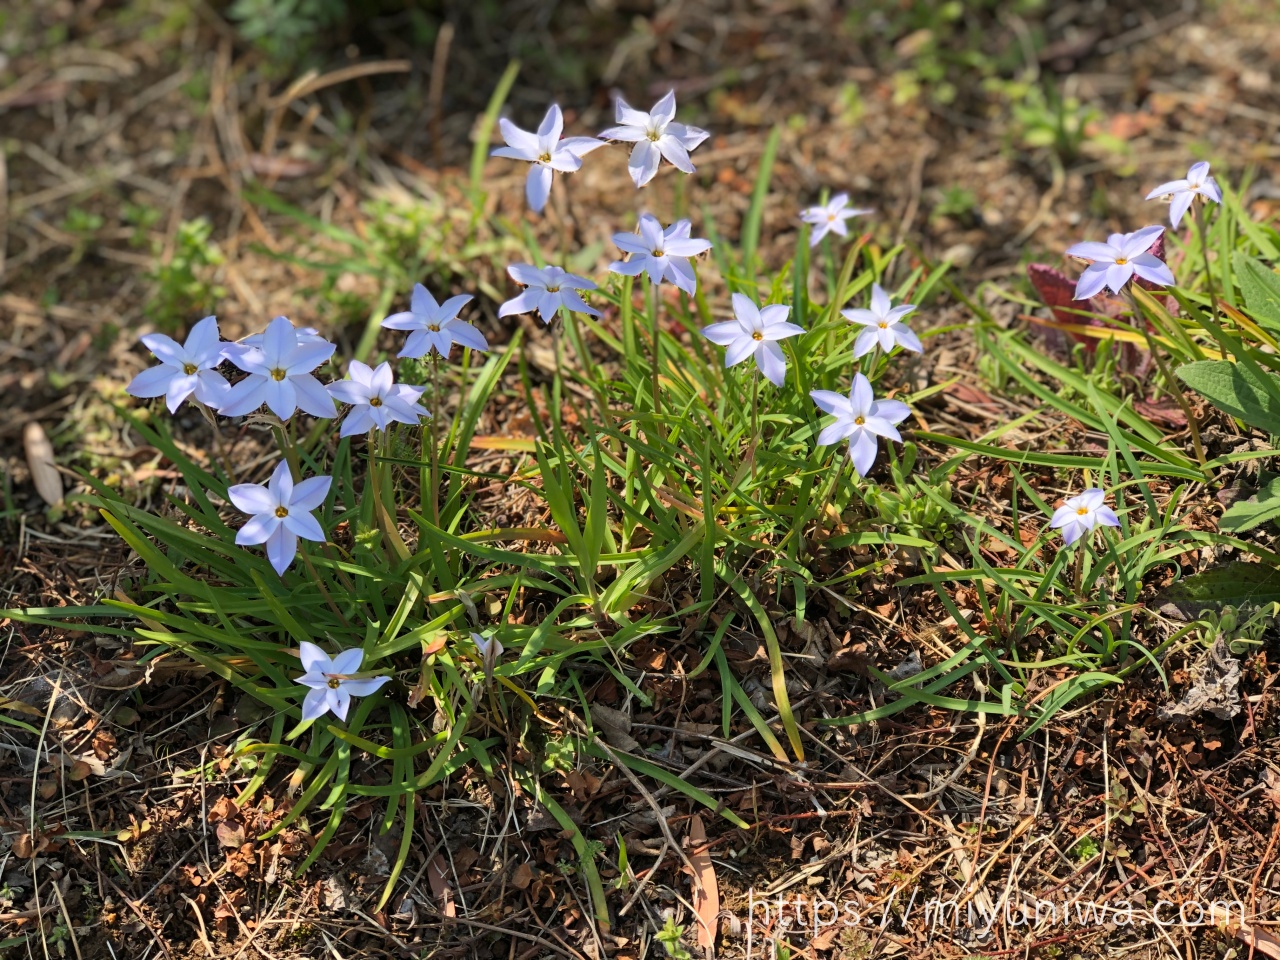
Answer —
433 327
859 420
655 136
659 253
1121 261
282 512
545 158
189 368
334 683
757 335
883 325
375 401
553 289
277 374
1082 511
831 218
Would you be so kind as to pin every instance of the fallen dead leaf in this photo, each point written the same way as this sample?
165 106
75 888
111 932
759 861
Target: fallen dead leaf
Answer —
522 876
706 893
438 877
44 474
230 834
1259 941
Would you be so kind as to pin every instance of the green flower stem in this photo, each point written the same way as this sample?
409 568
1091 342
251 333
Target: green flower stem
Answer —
288 446
652 291
1198 207
1171 385
435 451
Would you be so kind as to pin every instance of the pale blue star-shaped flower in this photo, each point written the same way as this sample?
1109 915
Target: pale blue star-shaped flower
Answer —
656 134
280 375
185 369
1082 513
830 217
435 326
1182 193
376 399
664 254
861 419
755 332
882 325
547 290
331 681
546 151
1117 261
280 513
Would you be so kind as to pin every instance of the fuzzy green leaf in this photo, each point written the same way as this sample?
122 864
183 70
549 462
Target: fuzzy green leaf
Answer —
1234 584
1261 288
1247 514
1237 390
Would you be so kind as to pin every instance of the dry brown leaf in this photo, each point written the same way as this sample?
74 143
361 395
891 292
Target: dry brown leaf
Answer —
281 167
616 727
706 892
44 474
1260 942
438 877
230 834
522 876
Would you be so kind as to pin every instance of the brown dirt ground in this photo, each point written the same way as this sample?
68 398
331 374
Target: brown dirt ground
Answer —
107 109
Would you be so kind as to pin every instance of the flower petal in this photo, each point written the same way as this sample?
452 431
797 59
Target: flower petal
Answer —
166 349
723 333
1093 250
862 450
1165 189
676 154
282 547
861 395
203 344
180 388
1091 282
866 341
307 356
520 139
281 398
643 163
403 321
551 127
829 401
465 335
313 658
363 688
746 311
315 704
629 268
895 411
1151 268
348 661
772 362
524 302
422 302
310 494
251 498
537 187
1140 241
739 350
1118 274
244 397
257 529
312 397
152 382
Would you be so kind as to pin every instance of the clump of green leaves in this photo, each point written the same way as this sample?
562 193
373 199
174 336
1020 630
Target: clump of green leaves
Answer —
183 286
286 30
